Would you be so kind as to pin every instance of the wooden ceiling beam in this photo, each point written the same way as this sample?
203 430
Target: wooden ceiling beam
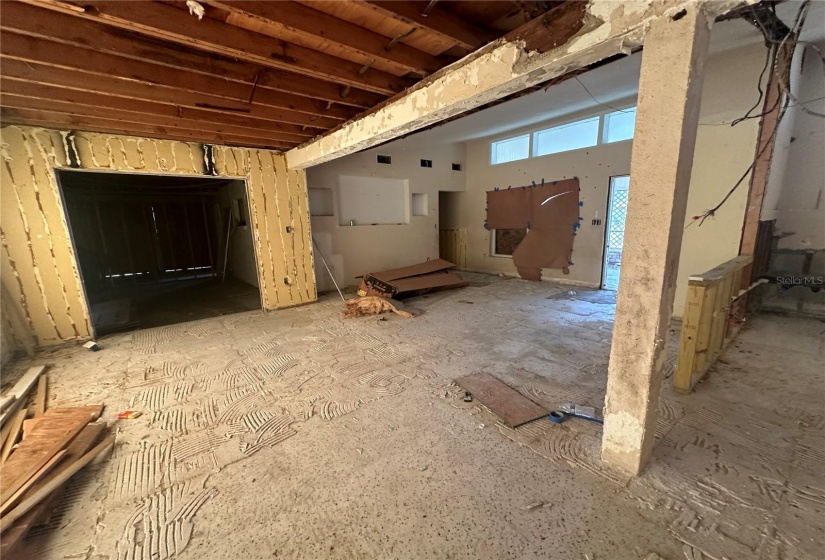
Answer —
172 24
302 19
551 29
33 104
47 93
505 71
59 121
437 21
94 83
65 29
29 49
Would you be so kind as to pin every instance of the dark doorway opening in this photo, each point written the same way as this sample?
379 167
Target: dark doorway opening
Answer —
157 250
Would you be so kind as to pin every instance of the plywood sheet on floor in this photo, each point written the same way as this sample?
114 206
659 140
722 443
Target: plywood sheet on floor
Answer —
508 404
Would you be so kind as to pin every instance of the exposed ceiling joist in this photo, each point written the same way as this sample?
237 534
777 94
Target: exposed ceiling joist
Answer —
43 93
435 20
501 69
272 73
169 23
552 29
19 47
69 30
93 83
66 108
112 126
287 19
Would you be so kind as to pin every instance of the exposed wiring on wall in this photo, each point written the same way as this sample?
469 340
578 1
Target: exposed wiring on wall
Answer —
781 68
601 102
790 105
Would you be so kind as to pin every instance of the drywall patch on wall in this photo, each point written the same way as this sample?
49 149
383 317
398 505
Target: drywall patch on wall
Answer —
39 271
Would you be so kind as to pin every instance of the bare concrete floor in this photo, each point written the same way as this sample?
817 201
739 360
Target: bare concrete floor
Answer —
297 434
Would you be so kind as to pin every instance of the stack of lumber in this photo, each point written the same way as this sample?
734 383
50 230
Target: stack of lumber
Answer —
40 450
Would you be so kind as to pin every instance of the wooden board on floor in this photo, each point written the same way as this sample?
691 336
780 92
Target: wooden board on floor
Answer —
512 407
7 505
43 492
42 395
13 433
13 536
53 431
19 391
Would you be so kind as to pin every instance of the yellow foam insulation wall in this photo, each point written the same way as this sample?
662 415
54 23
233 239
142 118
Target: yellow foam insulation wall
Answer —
40 277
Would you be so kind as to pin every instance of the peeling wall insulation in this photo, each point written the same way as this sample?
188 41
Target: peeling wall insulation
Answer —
550 214
39 271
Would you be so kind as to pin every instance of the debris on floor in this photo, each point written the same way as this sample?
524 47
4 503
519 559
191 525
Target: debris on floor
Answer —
372 305
40 454
512 407
576 411
411 280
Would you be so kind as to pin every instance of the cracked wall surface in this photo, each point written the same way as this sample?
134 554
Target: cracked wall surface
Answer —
39 271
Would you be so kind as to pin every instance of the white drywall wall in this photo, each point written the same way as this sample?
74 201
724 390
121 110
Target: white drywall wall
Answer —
352 251
367 201
722 155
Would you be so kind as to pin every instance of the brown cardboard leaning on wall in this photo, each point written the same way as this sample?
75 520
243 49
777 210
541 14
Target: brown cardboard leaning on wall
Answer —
410 280
549 212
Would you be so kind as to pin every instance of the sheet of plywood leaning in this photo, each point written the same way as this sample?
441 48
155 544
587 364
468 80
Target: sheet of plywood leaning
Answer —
550 214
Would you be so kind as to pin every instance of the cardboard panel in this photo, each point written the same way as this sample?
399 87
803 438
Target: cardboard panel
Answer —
509 209
414 270
550 211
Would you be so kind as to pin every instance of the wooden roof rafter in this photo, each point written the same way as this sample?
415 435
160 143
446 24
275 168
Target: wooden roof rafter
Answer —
58 27
166 22
258 73
290 19
429 16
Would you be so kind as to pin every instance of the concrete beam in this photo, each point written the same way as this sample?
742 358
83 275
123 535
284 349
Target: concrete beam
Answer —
504 67
667 116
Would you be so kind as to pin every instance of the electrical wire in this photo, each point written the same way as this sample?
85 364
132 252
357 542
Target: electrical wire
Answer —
797 104
799 22
601 102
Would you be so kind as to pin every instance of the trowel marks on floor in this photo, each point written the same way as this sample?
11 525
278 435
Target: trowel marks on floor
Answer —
736 472
204 416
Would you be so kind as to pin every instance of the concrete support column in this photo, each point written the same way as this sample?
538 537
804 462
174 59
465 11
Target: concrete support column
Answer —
667 115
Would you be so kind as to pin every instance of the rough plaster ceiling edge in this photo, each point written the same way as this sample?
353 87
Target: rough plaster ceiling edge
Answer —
495 71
